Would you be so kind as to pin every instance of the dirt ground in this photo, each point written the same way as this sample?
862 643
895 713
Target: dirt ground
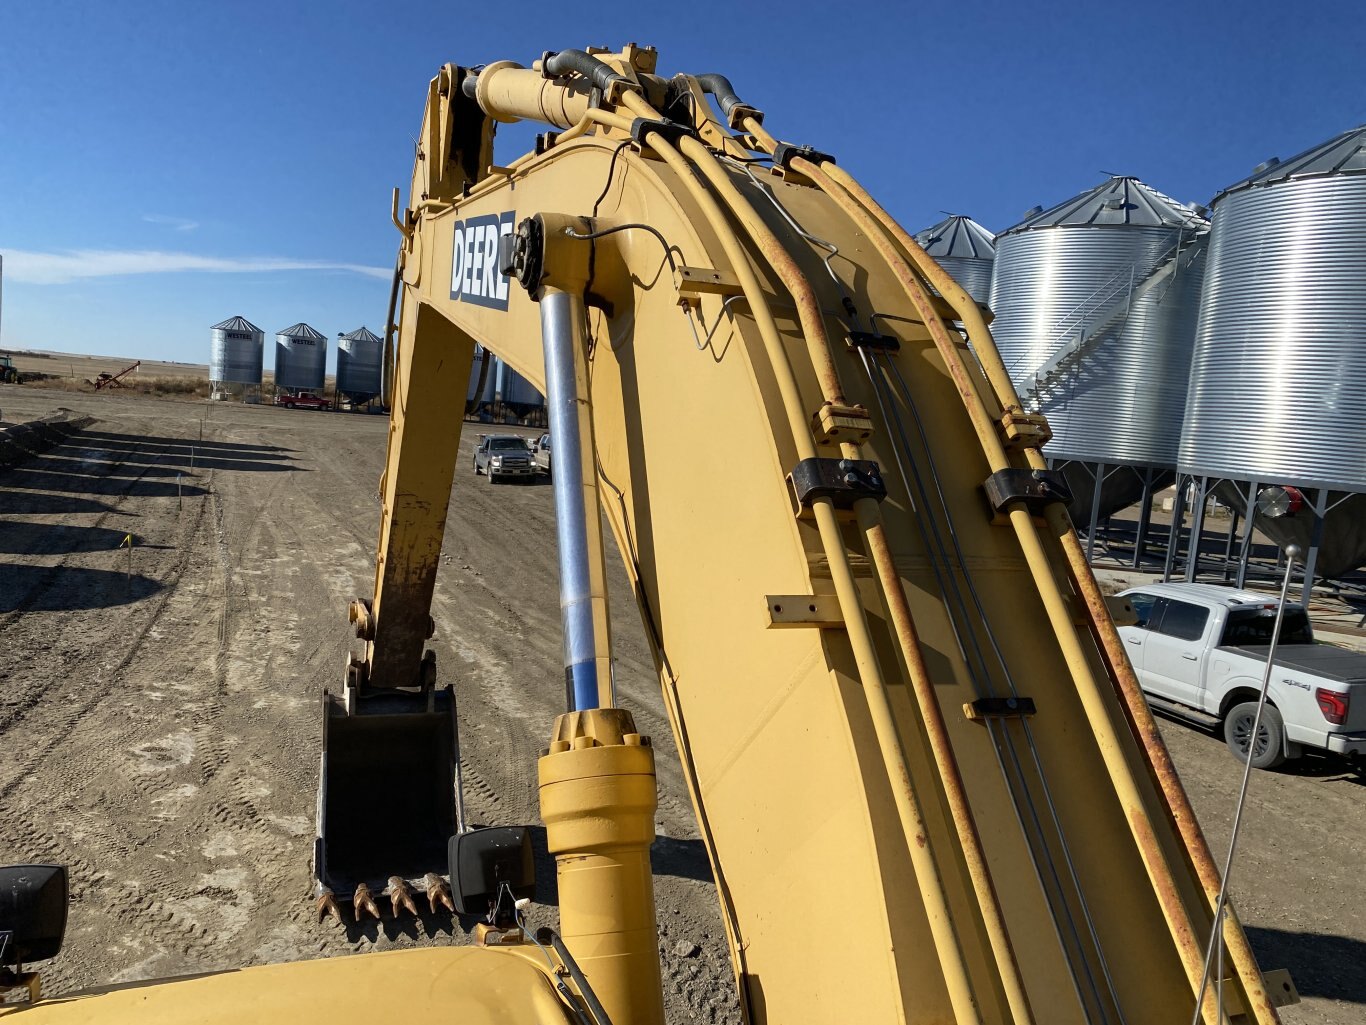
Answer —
159 722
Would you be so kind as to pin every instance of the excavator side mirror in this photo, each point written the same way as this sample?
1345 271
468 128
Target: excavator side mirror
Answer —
483 861
33 901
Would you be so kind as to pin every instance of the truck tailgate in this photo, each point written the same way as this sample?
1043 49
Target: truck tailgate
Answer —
1321 665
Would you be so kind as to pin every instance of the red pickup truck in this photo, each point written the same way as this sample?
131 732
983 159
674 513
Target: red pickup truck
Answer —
302 401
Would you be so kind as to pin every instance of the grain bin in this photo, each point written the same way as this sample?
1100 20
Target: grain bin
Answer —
1279 369
965 249
235 355
1095 302
300 359
360 355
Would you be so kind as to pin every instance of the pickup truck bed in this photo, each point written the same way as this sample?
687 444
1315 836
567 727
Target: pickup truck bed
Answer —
1324 660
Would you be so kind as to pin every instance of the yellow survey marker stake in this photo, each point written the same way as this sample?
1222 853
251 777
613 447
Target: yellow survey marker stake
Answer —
127 542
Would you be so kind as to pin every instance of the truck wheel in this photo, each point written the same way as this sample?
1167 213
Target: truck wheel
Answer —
1269 751
477 471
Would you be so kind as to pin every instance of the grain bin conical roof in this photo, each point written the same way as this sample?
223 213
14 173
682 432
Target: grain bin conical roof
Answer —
1120 200
361 334
301 330
958 236
236 324
1342 154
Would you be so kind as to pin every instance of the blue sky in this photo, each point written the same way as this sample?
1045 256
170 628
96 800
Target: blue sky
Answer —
165 165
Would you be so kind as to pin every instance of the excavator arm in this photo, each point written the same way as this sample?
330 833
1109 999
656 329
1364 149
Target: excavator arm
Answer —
900 701
928 784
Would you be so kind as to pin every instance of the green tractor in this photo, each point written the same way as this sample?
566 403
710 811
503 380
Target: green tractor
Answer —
8 373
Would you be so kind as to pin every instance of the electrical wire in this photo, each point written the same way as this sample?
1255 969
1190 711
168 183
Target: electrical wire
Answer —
588 236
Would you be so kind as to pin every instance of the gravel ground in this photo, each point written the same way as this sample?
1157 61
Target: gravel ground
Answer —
159 721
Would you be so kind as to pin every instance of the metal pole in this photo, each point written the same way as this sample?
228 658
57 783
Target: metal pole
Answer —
1315 541
1214 949
1197 530
1094 528
1233 518
1145 517
1174 533
1249 525
578 523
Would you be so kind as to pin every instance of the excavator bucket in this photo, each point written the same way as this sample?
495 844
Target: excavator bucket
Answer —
386 801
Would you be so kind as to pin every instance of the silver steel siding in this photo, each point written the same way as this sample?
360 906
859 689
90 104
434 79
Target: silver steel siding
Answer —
1279 375
1123 403
234 358
300 362
358 366
973 275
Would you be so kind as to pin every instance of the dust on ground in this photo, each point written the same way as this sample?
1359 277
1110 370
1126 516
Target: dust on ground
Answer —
160 719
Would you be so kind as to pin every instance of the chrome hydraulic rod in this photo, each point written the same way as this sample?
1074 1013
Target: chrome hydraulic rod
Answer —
578 524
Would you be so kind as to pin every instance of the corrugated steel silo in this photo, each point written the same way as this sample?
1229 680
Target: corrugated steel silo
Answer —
1280 357
235 352
1095 302
300 358
965 249
360 358
516 390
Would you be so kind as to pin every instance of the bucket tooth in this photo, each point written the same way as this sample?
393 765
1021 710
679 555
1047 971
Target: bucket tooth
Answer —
327 905
364 902
438 893
401 895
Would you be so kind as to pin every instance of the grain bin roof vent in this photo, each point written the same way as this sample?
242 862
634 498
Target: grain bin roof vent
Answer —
237 324
1119 200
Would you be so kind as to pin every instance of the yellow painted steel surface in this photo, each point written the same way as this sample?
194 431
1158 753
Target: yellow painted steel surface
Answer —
848 889
450 984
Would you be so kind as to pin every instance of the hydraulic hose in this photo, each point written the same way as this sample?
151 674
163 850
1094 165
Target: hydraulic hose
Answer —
581 63
1126 682
732 107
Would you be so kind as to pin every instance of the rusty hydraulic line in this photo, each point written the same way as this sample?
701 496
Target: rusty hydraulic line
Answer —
1159 871
1126 683
923 860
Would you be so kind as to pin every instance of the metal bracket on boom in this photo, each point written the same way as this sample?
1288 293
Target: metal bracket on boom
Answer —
670 131
1024 430
872 342
1035 488
834 424
999 708
843 481
786 152
804 610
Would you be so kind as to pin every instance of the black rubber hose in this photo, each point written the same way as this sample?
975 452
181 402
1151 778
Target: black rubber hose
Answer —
581 63
720 87
549 936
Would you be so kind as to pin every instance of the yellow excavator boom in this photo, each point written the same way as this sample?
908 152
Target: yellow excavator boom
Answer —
928 784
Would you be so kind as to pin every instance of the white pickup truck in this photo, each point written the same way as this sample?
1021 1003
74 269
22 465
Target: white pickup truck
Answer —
1200 654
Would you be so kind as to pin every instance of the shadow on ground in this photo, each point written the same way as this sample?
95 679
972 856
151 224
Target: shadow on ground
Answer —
20 538
64 588
1321 964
